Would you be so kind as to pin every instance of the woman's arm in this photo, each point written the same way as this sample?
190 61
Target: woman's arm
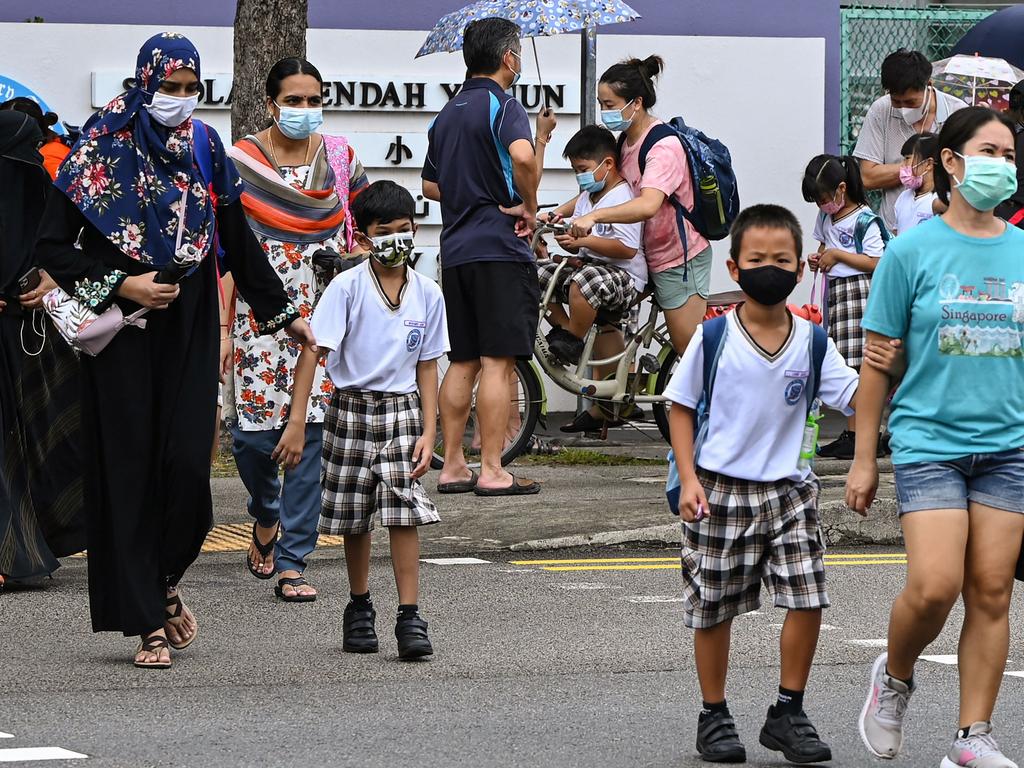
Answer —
862 481
546 122
637 210
608 247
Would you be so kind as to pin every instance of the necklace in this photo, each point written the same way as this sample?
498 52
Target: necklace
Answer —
273 152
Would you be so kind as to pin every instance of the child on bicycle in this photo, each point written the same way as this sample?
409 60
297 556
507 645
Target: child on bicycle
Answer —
851 239
382 326
614 271
758 500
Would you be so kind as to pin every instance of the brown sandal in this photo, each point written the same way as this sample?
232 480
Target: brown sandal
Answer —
150 643
175 611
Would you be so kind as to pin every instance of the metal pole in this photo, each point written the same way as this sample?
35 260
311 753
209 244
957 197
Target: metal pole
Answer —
588 105
588 76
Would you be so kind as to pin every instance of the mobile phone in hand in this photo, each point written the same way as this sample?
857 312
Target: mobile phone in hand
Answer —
30 281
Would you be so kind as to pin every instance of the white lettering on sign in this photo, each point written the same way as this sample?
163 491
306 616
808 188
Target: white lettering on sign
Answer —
365 94
409 150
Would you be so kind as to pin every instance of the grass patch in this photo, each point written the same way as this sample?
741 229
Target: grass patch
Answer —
583 457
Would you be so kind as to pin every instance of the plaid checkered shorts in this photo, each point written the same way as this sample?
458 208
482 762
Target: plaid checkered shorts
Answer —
847 298
756 532
367 465
602 285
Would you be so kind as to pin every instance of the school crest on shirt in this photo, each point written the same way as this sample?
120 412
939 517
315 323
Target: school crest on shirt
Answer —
794 391
845 238
414 339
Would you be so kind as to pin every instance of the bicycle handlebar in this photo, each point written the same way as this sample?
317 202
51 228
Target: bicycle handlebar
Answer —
560 227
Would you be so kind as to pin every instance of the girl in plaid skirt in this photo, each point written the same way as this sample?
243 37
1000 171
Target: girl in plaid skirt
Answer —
851 238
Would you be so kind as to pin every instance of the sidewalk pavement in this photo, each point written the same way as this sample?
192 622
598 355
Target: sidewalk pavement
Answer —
587 505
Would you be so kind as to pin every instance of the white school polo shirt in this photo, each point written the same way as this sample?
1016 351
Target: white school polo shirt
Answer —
758 403
630 235
838 233
373 345
912 209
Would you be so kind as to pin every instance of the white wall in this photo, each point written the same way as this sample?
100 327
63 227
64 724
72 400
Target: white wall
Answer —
764 97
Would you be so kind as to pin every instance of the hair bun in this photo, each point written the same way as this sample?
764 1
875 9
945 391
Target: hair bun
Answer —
651 67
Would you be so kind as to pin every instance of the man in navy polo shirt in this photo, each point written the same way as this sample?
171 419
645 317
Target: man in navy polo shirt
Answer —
481 167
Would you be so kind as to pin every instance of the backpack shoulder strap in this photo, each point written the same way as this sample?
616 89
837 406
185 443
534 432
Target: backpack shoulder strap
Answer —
818 346
656 134
860 228
713 336
201 150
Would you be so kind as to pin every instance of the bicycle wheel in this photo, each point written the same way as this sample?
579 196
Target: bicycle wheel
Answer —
525 404
668 367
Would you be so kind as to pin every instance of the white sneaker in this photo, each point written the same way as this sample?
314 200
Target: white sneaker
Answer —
978 749
881 720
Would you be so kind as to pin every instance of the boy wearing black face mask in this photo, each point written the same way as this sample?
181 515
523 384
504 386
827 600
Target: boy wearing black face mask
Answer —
748 499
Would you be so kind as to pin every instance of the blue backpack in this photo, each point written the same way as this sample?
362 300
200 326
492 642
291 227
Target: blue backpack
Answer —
204 160
712 345
860 228
716 198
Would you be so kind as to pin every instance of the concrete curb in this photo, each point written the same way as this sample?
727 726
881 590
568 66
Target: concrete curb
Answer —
839 525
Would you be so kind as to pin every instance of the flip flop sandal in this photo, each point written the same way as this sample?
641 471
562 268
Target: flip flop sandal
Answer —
297 597
265 550
517 488
175 617
459 486
152 643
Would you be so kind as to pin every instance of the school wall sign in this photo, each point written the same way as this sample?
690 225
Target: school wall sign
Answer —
364 94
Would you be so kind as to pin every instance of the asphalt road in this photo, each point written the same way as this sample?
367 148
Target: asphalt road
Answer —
535 666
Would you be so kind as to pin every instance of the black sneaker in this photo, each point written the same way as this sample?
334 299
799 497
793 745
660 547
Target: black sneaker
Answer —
795 737
358 634
717 739
840 448
564 346
411 631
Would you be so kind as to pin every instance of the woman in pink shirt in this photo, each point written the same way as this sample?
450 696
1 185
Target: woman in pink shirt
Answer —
681 278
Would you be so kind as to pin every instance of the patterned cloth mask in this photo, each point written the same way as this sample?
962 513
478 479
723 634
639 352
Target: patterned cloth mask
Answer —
392 250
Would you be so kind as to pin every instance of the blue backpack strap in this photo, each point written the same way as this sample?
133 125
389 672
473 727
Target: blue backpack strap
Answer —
712 343
656 134
860 228
819 346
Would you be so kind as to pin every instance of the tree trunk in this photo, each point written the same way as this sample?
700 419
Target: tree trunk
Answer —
266 31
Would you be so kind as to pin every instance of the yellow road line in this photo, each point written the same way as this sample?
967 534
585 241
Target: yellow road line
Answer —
235 537
836 558
599 560
675 566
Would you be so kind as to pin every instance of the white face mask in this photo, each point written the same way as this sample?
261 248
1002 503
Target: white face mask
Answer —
172 111
912 115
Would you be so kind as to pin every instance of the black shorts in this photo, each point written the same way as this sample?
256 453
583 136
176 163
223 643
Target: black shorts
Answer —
492 309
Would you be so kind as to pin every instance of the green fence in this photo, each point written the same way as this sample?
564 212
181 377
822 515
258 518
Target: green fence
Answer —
868 35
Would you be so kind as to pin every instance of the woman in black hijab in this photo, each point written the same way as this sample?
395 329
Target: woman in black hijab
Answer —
40 476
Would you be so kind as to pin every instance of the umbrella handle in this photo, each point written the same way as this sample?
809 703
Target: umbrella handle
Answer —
540 79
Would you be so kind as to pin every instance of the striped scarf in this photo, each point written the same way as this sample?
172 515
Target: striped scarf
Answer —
279 211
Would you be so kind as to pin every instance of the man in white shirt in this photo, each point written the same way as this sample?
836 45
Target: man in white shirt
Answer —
911 105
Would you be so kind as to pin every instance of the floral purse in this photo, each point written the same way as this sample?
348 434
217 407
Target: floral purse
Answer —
90 333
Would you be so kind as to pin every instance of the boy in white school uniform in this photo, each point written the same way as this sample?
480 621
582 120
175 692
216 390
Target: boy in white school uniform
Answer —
748 501
382 326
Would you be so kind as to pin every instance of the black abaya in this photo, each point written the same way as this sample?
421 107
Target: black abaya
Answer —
149 409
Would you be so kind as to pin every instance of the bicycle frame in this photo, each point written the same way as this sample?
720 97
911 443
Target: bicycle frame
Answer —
625 387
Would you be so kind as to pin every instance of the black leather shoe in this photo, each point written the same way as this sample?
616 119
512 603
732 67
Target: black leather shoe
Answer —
795 737
840 448
411 632
358 633
564 346
717 739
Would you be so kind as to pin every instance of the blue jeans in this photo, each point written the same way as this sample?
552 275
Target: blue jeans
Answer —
295 503
992 479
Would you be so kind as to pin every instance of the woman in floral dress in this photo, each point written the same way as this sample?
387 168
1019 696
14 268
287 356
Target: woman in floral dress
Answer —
297 189
110 230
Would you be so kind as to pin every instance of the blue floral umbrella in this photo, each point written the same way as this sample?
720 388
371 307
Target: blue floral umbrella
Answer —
537 18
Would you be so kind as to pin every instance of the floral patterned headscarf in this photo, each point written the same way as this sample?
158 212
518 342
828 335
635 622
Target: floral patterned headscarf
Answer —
127 173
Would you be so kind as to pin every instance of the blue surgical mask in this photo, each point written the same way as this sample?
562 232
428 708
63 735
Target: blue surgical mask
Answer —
614 121
298 123
519 74
987 182
589 183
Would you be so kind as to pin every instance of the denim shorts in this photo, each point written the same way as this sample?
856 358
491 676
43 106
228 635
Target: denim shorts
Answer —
993 479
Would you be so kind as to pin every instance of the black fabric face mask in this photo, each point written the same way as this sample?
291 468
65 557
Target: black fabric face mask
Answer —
769 285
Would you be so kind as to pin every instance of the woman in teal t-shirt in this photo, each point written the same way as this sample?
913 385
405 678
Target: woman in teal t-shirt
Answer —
953 290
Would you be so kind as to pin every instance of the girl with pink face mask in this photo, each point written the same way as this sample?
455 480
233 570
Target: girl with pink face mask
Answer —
851 239
918 201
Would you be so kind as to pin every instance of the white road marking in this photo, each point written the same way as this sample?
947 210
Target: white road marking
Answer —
654 599
949 658
455 560
517 570
829 626
874 642
1014 674
651 480
27 754
6 735
585 585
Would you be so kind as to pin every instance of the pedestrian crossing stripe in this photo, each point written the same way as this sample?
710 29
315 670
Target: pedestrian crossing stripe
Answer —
31 754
